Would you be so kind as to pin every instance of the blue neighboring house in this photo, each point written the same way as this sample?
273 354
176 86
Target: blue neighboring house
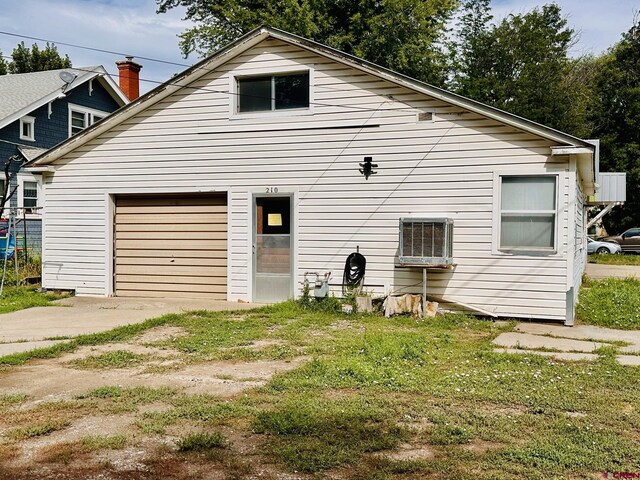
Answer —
39 110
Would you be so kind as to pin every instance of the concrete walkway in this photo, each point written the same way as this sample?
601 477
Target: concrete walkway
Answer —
29 329
569 343
597 271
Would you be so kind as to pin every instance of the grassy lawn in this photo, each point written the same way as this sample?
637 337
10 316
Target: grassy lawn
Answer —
613 302
609 259
373 398
13 299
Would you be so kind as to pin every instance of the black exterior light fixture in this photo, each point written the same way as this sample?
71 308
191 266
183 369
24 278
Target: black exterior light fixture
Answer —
367 167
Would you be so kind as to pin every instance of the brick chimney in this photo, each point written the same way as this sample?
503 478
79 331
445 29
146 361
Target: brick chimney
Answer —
128 76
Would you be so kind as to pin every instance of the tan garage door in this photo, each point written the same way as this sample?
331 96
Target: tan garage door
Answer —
171 246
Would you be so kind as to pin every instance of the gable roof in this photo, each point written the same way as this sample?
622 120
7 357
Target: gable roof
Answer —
244 43
22 93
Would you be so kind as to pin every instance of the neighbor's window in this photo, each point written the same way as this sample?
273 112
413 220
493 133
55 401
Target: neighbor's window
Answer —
273 92
81 118
27 128
30 196
528 212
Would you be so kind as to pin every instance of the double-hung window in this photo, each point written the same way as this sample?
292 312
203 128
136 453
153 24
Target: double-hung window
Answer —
29 193
528 212
266 93
82 117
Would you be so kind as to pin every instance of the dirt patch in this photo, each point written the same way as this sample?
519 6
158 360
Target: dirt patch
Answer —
407 451
481 446
55 380
95 425
161 334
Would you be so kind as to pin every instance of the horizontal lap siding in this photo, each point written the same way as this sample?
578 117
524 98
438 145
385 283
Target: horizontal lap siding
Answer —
439 167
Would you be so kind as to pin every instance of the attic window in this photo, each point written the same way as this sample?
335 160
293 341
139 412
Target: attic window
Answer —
82 117
27 129
273 92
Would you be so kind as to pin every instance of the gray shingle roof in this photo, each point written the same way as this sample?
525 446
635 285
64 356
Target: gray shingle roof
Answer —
19 91
31 152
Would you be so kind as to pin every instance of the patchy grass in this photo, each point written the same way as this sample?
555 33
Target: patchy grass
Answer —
618 259
38 429
612 302
94 442
378 399
202 441
115 359
13 299
312 434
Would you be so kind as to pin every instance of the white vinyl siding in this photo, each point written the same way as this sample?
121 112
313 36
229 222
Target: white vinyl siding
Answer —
193 142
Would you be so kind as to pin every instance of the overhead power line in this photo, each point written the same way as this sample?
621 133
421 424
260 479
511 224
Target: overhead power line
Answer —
93 49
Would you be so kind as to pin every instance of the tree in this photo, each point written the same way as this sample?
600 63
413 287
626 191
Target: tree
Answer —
616 119
3 64
25 60
521 65
403 35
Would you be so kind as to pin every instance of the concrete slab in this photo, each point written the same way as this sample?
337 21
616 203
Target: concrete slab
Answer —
597 271
80 315
530 341
555 355
9 348
631 360
580 332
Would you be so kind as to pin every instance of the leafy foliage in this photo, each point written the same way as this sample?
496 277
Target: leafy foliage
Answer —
403 35
521 65
25 60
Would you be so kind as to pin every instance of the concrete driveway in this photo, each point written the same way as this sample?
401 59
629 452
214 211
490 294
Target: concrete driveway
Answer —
28 329
598 271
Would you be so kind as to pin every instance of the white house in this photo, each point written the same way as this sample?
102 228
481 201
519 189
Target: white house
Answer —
234 178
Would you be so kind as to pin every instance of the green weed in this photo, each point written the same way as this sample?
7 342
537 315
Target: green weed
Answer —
612 302
115 359
202 441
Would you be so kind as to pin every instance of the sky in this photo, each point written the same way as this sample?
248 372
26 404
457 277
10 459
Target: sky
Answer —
134 28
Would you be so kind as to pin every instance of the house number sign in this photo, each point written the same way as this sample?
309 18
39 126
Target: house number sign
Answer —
271 189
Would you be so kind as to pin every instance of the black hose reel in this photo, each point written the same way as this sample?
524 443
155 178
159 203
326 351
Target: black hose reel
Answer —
353 278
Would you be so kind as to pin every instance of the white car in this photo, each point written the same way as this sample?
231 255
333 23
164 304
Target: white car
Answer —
594 246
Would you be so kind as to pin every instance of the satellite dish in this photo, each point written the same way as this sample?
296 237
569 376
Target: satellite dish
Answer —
67 77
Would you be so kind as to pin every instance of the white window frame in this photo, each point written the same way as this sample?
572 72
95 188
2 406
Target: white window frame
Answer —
31 121
37 179
234 104
497 215
89 114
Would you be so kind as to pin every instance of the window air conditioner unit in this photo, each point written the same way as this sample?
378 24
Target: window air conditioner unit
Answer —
426 241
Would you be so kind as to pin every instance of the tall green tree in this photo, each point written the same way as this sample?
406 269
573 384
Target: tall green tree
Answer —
25 59
3 64
404 35
616 119
520 64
